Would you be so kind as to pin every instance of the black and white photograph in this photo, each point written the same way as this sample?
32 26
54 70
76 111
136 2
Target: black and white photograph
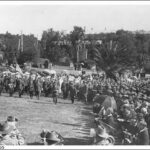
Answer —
74 73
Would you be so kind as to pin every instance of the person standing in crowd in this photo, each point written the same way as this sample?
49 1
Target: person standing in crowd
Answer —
72 90
55 92
31 87
142 135
12 85
37 86
65 89
84 91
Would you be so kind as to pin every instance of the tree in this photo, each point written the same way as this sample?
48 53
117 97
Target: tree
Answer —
49 42
76 36
116 51
27 55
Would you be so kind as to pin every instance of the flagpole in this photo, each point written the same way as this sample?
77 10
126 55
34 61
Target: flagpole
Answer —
21 42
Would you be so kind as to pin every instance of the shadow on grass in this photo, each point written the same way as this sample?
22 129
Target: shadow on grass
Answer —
81 128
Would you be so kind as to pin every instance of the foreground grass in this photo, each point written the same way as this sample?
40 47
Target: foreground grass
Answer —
34 115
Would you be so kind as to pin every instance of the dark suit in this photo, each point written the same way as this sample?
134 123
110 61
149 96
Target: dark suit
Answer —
143 137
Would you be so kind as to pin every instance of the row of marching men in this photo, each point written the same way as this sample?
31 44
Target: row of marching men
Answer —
39 86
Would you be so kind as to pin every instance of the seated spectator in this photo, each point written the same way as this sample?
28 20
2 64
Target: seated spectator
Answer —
10 135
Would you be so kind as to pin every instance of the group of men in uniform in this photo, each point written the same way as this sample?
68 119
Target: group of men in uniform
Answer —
132 98
131 119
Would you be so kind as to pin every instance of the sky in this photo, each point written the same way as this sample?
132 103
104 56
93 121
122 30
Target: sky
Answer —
34 19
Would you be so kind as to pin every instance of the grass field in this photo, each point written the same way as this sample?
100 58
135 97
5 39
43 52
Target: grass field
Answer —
72 121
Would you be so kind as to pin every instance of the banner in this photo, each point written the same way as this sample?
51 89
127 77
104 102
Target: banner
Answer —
18 69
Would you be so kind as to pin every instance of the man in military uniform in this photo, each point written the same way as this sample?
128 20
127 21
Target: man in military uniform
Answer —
21 86
37 86
65 88
11 84
55 93
84 91
9 134
31 87
72 92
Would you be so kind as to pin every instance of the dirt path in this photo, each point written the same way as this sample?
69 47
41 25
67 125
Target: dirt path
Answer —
72 121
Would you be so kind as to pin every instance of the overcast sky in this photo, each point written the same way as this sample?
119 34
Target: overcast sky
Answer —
101 18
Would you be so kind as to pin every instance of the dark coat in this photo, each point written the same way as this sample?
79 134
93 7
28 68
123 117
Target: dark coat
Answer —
72 91
64 87
111 121
143 137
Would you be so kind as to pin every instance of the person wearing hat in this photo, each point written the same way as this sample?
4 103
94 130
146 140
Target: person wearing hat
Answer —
9 134
84 91
64 89
31 87
109 118
143 135
55 92
51 138
11 84
101 137
72 90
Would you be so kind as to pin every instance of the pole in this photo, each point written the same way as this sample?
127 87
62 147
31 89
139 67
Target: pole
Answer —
21 42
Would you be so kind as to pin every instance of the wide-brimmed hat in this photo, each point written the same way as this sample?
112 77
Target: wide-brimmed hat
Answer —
12 119
101 132
52 136
5 128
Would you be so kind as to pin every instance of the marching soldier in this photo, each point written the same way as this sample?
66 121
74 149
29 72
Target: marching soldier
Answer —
72 92
31 87
11 85
55 93
37 87
65 88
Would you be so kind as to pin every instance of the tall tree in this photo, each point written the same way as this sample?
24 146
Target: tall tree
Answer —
76 36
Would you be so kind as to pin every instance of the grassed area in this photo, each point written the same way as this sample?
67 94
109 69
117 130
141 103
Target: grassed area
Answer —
72 121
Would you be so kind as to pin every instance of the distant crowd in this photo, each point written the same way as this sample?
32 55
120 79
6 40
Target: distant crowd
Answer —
132 96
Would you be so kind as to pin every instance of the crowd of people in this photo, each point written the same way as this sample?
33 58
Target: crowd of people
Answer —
132 112
130 119
32 84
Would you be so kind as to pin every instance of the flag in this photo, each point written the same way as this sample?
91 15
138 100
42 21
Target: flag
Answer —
18 69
